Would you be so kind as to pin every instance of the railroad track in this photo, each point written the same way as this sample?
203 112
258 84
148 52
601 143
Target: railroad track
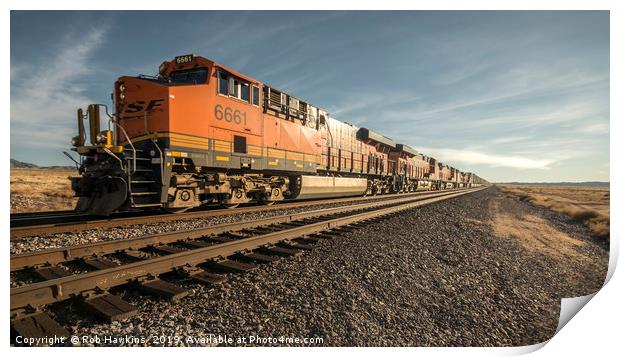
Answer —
33 224
151 263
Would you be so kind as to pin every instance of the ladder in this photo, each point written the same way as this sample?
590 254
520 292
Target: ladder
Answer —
143 187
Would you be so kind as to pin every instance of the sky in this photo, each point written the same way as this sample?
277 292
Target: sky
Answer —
510 95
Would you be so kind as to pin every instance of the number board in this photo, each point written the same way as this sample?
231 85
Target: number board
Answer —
232 116
184 59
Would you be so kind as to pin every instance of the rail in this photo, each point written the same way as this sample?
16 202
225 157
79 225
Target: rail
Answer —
32 226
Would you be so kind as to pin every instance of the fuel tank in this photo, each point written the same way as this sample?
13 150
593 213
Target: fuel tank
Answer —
323 187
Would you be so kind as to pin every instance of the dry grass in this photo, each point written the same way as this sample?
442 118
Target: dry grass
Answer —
34 190
536 234
587 205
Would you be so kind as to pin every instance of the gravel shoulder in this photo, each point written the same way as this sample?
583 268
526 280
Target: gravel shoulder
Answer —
463 272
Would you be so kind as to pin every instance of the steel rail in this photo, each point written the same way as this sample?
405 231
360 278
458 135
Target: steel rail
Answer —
64 254
51 291
78 226
23 215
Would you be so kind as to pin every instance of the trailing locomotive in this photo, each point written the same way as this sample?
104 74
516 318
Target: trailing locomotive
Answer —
200 132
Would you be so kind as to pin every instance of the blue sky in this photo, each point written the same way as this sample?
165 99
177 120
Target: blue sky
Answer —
513 96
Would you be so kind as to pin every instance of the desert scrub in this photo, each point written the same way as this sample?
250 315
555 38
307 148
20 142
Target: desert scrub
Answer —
587 205
34 190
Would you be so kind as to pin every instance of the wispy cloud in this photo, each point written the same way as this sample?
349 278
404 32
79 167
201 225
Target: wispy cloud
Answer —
361 102
480 158
596 128
44 99
509 140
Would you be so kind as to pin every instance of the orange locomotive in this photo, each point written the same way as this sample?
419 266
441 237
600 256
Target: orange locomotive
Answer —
200 132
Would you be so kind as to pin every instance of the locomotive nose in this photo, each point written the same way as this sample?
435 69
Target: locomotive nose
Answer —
142 104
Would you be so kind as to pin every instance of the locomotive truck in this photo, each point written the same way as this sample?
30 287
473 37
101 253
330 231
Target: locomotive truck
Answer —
200 132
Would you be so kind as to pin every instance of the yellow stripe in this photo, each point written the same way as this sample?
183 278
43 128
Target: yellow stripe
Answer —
294 156
255 150
168 135
184 136
278 154
219 145
190 140
201 147
178 139
195 144
221 148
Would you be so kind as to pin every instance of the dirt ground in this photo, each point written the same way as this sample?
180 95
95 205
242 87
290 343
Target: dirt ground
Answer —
34 190
587 205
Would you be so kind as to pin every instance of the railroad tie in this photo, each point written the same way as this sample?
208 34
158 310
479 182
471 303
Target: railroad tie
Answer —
135 254
162 288
235 235
208 278
309 239
220 239
293 224
301 246
230 266
279 251
328 235
52 272
110 307
196 243
167 249
38 325
260 258
260 230
342 229
322 236
357 225
100 263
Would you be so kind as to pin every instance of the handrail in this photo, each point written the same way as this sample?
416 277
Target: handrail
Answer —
133 148
161 156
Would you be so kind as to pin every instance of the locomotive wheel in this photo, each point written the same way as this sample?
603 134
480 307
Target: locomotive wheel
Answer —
267 203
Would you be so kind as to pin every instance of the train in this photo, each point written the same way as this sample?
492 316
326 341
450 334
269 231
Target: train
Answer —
199 133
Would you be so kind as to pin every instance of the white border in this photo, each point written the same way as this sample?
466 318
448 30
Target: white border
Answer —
592 330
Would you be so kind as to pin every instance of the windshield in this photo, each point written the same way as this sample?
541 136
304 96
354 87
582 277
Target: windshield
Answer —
191 76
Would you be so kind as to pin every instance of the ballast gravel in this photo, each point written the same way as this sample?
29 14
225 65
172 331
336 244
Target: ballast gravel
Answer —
437 275
57 240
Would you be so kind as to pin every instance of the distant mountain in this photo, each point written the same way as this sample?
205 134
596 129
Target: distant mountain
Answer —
22 165
26 165
587 183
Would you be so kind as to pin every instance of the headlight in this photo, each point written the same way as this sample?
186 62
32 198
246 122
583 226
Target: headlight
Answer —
75 141
121 90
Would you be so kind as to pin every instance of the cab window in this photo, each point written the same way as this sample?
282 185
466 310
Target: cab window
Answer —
245 91
192 76
233 87
223 83
255 95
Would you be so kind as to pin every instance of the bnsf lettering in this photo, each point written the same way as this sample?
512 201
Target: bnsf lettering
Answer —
139 105
227 114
